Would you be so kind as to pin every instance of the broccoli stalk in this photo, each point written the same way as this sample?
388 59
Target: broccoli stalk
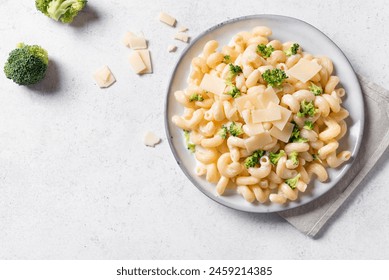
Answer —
64 10
274 77
274 157
292 182
26 65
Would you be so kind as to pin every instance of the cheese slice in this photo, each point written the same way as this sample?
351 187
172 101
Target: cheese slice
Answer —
136 62
304 70
249 101
285 115
246 115
268 96
145 55
284 134
253 129
213 84
137 43
171 48
104 77
272 113
257 142
165 18
182 37
126 39
151 139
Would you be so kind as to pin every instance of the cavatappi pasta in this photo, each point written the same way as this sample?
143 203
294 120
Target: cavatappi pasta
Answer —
263 115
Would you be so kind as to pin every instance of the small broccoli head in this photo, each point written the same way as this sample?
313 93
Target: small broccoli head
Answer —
293 156
292 50
64 10
223 132
316 90
253 160
235 129
274 77
234 91
190 146
306 109
292 182
264 50
275 157
26 65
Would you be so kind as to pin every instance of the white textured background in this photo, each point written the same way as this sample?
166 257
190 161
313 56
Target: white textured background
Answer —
76 181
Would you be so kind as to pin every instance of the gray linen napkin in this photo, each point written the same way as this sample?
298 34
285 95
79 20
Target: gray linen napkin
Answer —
311 218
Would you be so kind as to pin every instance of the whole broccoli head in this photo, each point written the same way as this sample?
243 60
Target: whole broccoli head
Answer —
26 65
63 10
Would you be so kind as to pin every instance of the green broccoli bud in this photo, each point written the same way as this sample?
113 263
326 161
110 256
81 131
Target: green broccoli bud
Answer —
26 65
234 92
223 132
316 90
235 129
308 125
292 183
316 157
292 50
190 146
253 160
274 157
274 77
295 136
293 156
63 10
196 97
227 59
306 109
264 50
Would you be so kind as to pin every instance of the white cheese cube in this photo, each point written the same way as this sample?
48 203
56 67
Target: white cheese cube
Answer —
150 139
165 18
104 77
136 62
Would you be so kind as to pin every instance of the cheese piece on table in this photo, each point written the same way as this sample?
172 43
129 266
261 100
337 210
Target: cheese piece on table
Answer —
249 101
284 134
136 62
137 43
304 70
213 84
182 37
171 48
252 129
126 39
272 113
182 29
257 142
145 56
104 77
285 115
165 18
268 96
151 139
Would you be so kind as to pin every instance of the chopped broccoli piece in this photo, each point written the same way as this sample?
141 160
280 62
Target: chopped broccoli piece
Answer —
306 109
308 125
274 77
235 70
63 10
253 160
196 97
274 157
223 132
293 156
292 183
235 129
190 146
292 50
227 59
234 92
295 137
316 157
264 50
27 65
316 90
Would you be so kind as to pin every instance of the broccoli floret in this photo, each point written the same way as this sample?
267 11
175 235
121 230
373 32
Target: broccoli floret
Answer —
234 92
253 160
63 10
295 136
235 129
264 50
293 156
274 77
274 157
292 50
190 146
196 97
227 59
292 183
316 90
26 65
306 109
223 132
316 157
234 71
308 125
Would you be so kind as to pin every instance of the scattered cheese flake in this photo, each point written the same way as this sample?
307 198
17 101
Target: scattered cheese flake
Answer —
171 48
104 77
272 113
126 39
145 56
136 62
151 139
253 129
284 134
304 70
213 84
182 37
268 96
137 43
285 115
257 142
182 29
249 101
165 18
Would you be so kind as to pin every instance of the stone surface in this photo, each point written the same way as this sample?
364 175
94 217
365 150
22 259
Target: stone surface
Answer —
76 181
